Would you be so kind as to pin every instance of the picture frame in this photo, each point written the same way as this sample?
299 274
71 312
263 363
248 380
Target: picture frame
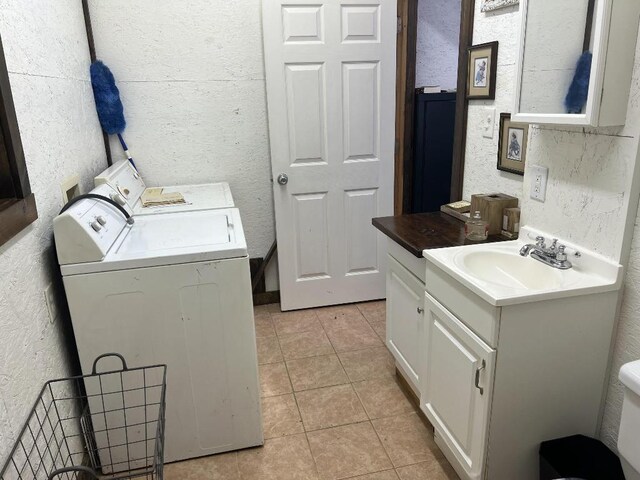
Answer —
490 5
482 67
512 145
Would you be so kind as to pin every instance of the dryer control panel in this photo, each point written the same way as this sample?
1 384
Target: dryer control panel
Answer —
125 180
88 229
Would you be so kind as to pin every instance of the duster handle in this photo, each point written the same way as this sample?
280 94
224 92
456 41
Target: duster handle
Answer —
126 150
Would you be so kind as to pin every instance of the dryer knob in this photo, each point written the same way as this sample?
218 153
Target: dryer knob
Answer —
96 226
101 220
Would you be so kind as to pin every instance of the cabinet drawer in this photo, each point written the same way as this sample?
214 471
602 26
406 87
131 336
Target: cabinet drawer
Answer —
457 388
481 317
409 261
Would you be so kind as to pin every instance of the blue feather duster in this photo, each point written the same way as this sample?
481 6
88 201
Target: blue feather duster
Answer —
107 95
108 103
576 98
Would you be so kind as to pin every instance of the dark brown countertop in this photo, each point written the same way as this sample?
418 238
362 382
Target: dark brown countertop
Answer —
420 231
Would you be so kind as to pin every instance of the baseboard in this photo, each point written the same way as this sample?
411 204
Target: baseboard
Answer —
265 298
413 398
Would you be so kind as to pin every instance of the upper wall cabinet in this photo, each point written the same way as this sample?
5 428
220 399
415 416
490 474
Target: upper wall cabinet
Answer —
576 60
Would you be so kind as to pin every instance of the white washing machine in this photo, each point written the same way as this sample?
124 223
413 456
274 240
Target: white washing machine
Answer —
169 289
130 187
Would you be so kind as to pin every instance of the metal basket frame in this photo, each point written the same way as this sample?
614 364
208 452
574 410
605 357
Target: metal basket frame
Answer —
66 430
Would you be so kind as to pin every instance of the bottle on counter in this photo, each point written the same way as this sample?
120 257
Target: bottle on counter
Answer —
475 228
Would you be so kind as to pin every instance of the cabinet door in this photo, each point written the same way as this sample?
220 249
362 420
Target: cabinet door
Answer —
457 386
404 318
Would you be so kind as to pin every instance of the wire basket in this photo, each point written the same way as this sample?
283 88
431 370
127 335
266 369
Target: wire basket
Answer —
107 425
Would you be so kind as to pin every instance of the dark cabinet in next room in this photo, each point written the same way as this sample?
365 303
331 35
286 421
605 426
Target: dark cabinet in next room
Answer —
432 150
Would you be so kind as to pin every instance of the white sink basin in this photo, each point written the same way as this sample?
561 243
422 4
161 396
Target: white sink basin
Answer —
509 269
500 275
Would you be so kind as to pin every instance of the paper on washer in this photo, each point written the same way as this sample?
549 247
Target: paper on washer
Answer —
153 197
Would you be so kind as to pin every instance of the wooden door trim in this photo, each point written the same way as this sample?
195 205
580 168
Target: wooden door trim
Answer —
405 97
467 12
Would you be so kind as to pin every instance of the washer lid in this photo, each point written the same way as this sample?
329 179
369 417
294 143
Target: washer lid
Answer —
169 239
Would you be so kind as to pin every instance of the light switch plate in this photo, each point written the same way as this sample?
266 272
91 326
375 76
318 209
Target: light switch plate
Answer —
488 124
539 177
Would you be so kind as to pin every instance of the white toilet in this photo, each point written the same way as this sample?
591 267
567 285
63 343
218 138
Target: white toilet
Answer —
629 437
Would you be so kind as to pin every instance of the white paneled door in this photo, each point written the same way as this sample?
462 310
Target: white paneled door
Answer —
330 70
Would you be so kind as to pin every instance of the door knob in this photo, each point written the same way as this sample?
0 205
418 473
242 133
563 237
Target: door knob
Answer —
420 310
283 179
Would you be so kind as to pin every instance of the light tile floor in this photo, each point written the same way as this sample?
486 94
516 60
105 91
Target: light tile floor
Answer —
332 408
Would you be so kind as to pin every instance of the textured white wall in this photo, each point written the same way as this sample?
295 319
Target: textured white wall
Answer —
437 43
480 172
590 174
627 343
192 82
48 60
589 169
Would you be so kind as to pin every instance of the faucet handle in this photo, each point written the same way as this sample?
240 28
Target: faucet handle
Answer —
540 241
561 256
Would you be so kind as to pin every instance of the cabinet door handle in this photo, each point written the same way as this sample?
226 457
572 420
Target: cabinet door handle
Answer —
478 377
420 310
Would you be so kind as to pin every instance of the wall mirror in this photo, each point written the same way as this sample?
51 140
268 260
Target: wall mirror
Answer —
565 73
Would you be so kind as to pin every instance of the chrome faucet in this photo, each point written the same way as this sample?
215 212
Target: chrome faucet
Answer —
554 255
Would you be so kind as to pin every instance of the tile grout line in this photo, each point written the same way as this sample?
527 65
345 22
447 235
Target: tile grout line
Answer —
372 347
370 420
314 311
295 399
238 462
382 445
315 314
345 328
315 464
348 382
279 349
384 340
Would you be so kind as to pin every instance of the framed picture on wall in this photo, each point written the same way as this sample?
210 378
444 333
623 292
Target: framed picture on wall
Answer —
512 145
483 63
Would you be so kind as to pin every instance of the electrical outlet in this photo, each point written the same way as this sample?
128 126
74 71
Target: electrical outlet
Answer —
52 306
70 188
488 122
539 177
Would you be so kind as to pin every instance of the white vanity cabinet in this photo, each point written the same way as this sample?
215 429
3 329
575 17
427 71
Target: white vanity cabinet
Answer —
497 380
405 311
503 351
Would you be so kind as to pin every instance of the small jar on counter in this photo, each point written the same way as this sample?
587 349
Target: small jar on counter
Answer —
475 228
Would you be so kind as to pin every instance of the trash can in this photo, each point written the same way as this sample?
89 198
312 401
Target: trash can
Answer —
578 457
